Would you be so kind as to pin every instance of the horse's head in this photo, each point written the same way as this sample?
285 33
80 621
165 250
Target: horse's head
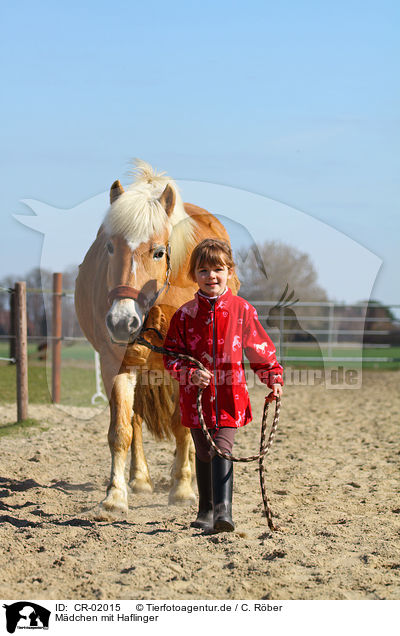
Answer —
138 256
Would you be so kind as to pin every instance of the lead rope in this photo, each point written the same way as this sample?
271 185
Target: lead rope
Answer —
264 447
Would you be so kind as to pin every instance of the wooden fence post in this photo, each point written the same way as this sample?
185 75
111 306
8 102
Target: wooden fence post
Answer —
21 351
56 340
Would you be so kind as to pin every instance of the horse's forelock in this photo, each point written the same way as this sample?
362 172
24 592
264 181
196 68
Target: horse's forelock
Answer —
137 215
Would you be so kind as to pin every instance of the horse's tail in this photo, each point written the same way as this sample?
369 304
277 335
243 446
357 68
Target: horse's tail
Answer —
155 403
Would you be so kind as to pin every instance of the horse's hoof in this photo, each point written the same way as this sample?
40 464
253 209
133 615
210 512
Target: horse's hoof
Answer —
141 486
115 503
99 513
182 496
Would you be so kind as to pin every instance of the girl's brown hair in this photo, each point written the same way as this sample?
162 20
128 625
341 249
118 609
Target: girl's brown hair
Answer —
211 252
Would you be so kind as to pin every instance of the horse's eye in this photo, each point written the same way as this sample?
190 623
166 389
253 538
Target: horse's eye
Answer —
110 247
158 254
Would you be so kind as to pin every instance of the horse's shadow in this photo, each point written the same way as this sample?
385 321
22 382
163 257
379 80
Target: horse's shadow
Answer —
19 523
67 487
14 485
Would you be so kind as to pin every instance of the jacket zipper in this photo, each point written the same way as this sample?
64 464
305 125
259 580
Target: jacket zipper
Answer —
214 367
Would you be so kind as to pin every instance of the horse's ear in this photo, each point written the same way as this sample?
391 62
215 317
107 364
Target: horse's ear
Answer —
167 200
115 191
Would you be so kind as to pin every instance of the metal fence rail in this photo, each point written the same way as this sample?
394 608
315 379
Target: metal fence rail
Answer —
333 330
328 327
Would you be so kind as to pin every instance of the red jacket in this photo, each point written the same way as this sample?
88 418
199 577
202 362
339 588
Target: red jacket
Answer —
217 334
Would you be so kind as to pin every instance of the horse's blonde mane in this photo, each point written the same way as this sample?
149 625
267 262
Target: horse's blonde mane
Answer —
137 214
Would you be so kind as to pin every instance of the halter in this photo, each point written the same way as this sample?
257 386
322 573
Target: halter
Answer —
125 291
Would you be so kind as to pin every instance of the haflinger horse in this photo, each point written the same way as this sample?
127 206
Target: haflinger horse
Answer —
134 276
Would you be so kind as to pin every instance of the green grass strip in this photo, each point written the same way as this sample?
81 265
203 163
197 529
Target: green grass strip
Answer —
23 427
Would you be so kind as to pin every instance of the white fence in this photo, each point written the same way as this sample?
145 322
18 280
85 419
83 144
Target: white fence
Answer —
331 327
331 330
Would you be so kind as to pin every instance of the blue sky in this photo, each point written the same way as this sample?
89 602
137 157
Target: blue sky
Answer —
294 101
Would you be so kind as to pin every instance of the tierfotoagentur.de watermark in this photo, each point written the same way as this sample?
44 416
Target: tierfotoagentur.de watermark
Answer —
338 377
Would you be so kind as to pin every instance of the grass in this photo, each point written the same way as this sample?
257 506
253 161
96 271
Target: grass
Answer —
345 352
18 428
77 385
78 378
79 351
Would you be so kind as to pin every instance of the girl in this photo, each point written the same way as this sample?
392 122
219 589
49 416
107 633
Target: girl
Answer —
216 327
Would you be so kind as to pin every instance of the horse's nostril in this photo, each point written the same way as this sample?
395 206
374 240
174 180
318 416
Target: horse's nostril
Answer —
134 324
109 321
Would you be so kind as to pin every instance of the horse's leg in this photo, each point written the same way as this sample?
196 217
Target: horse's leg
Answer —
181 488
119 440
139 476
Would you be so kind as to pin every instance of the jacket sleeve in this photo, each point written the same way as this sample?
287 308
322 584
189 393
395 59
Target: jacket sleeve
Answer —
181 370
260 350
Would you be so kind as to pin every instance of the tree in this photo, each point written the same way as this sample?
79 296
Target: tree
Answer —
70 322
39 302
379 317
5 305
267 269
283 275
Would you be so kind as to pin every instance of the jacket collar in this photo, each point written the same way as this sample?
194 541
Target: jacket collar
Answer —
221 301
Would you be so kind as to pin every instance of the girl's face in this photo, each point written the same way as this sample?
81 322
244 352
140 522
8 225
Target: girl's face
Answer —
212 279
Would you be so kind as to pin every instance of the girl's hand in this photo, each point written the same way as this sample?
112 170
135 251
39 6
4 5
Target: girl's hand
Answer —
201 378
277 391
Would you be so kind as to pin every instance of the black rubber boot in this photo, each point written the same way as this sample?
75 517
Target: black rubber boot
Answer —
222 478
205 515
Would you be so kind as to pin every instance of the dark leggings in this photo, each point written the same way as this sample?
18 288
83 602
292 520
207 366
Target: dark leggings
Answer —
223 438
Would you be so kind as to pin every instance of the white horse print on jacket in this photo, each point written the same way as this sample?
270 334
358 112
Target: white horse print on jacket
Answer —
236 343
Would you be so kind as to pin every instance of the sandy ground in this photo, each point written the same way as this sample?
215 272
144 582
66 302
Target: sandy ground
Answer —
333 480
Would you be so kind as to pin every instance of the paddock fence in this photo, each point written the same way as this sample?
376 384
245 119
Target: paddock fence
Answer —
366 332
307 333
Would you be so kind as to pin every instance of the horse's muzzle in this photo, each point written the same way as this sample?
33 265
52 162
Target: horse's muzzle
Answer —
124 321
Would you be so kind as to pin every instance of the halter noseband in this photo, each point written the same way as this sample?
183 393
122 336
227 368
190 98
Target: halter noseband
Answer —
125 291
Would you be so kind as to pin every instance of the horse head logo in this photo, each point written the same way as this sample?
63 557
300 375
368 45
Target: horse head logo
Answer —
26 615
